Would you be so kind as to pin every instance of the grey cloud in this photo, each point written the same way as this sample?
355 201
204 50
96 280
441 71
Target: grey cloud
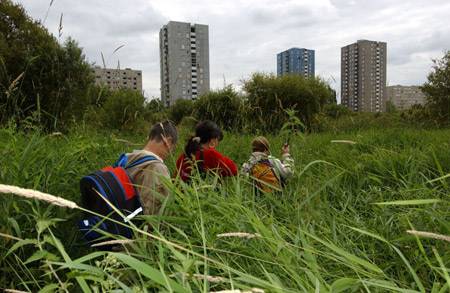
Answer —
245 37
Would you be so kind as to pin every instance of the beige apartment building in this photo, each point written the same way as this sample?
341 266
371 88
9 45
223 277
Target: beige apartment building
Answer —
363 76
115 79
404 97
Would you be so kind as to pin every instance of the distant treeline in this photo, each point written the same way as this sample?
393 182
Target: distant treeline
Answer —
50 85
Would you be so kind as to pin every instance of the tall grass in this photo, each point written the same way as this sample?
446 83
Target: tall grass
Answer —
340 224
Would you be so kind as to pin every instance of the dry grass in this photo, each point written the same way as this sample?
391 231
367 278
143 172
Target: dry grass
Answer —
254 290
201 277
30 193
9 236
239 234
429 235
343 141
113 242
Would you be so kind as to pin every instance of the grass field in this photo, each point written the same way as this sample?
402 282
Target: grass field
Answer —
340 225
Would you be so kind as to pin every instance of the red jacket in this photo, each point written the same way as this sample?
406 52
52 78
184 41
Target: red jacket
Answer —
212 160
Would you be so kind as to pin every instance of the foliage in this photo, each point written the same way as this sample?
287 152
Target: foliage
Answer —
268 95
390 107
154 105
182 108
224 107
123 109
339 225
437 88
336 111
38 76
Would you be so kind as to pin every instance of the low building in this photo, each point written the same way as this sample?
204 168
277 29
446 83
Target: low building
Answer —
405 97
115 79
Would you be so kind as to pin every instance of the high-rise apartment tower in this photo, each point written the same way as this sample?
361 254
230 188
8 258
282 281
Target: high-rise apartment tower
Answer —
363 76
296 60
184 61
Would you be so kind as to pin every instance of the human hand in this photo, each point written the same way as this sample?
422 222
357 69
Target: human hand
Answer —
285 150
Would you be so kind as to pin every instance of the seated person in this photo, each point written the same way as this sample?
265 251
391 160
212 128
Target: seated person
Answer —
202 149
267 170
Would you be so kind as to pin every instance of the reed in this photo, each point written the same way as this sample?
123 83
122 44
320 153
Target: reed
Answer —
239 234
338 226
429 235
29 193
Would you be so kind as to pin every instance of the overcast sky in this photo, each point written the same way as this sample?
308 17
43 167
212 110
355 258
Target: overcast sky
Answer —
246 35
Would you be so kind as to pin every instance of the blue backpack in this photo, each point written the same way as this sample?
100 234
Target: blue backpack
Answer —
116 187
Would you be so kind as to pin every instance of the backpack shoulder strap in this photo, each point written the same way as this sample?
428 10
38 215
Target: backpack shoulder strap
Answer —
140 161
200 162
266 161
123 159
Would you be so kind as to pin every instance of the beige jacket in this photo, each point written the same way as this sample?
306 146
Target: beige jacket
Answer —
147 179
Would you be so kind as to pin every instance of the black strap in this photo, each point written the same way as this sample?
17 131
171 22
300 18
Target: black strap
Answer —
200 163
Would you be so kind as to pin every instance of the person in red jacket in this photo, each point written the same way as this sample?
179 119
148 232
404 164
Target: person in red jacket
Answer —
201 149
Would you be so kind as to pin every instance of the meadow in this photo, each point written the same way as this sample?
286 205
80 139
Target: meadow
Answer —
340 224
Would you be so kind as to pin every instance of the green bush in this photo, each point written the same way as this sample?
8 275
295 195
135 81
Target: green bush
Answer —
225 107
182 108
268 96
123 110
437 89
38 76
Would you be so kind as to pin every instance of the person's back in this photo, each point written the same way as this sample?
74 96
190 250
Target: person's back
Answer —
267 170
148 177
112 187
201 150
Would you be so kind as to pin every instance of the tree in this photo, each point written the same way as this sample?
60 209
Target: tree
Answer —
390 107
437 88
269 95
181 109
38 76
223 106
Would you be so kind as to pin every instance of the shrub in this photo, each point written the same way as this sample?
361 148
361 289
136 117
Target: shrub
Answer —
224 107
39 76
122 110
269 95
181 109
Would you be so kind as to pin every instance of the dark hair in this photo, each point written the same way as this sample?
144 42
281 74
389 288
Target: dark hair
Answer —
163 129
205 130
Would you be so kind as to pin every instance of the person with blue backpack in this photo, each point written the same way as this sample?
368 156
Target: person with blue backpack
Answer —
267 172
134 186
147 176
